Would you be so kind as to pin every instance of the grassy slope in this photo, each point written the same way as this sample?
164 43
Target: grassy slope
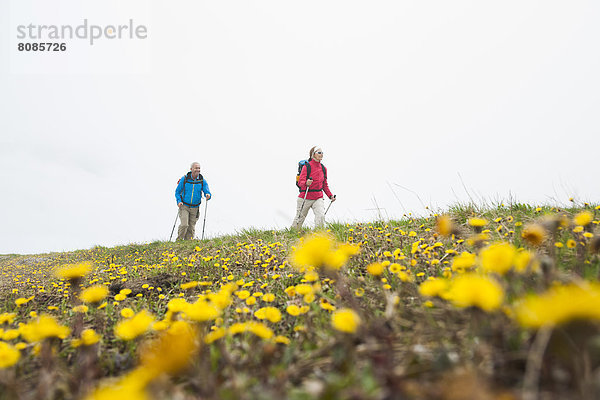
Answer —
406 348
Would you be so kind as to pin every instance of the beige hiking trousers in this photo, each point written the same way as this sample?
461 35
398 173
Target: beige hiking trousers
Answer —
187 226
318 207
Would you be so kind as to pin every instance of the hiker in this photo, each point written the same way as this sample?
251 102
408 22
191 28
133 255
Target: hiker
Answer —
314 177
189 196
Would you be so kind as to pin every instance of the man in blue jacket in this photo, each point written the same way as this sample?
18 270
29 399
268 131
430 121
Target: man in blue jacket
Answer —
189 196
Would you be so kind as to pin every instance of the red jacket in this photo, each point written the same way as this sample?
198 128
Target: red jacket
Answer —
318 185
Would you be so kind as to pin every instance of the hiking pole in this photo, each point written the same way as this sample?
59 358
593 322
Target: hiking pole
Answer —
174 223
305 194
204 223
329 206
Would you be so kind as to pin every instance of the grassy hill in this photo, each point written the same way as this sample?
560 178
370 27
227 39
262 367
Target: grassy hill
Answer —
494 303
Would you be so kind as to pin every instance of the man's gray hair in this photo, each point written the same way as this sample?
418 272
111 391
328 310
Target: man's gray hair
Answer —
192 164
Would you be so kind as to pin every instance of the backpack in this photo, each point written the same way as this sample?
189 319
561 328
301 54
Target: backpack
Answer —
301 164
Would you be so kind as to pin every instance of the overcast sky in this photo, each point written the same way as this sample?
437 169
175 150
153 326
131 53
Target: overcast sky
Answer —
411 101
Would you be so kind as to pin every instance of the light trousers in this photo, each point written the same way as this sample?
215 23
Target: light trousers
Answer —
187 226
318 207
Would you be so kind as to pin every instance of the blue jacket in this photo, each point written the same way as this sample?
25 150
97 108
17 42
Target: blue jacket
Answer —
189 191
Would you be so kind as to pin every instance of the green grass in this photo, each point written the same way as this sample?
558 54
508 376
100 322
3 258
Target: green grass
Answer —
407 345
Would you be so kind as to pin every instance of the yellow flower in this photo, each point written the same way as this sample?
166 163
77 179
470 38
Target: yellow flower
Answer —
571 243
375 269
202 310
82 308
242 294
94 294
525 259
127 313
8 355
7 318
130 387
250 301
74 271
189 285
88 338
327 306
578 229
120 296
290 291
311 276
345 320
214 335
22 300
463 262
498 258
584 218
359 292
303 289
468 290
282 340
477 222
320 250
293 310
172 351
559 305
269 297
433 287
444 225
137 325
43 327
535 234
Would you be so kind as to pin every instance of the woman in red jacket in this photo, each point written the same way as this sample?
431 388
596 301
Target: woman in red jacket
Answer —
314 177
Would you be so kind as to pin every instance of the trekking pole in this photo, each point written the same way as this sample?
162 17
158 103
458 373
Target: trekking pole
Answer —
330 203
174 223
305 193
204 223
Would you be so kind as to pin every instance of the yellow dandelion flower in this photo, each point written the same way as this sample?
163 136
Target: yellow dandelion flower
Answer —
282 339
127 313
535 234
345 320
468 290
203 310
293 310
120 296
433 287
444 225
9 356
7 318
137 325
311 276
94 294
584 218
464 262
559 305
359 292
571 243
321 250
215 335
477 222
498 258
22 300
269 297
189 285
242 294
74 271
43 327
375 269
82 308
172 351
88 337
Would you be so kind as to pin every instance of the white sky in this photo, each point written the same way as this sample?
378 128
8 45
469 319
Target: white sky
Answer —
409 93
